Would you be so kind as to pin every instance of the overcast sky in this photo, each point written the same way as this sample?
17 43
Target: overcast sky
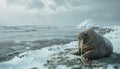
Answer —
59 12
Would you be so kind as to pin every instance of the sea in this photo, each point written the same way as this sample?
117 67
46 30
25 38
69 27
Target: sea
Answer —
31 33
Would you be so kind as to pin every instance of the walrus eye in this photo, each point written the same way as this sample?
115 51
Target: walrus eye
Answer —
85 34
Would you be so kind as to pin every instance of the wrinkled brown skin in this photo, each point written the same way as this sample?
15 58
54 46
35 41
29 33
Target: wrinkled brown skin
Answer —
94 46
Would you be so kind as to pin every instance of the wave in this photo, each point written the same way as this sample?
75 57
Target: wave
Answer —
27 28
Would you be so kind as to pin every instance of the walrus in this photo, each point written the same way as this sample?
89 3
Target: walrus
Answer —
92 45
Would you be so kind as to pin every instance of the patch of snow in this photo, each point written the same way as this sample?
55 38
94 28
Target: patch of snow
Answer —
89 23
110 67
114 37
62 67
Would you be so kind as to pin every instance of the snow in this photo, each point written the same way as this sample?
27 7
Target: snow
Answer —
114 37
89 23
62 67
37 58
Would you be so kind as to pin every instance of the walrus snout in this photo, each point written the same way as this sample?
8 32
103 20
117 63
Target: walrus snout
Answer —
79 37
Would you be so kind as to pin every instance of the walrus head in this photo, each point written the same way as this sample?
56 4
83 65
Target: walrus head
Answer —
86 36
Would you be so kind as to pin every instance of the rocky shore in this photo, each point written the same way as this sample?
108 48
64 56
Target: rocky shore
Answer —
63 59
11 48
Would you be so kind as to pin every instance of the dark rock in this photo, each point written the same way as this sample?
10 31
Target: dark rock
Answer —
102 30
61 59
34 68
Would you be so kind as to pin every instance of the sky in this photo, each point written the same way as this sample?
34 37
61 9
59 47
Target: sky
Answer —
59 12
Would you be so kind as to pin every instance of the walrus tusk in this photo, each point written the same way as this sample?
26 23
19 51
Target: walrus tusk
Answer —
81 45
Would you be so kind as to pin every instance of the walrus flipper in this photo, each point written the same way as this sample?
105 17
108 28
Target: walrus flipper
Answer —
79 50
87 57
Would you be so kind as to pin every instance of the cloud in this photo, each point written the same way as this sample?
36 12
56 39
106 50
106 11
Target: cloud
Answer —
58 12
50 6
15 15
30 4
57 6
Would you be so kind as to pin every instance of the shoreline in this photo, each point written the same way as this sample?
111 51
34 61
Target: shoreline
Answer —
26 46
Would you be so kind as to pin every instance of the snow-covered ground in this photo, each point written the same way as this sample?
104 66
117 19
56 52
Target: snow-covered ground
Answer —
37 58
114 37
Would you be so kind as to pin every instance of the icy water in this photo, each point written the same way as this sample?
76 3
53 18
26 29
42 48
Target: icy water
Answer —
31 33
